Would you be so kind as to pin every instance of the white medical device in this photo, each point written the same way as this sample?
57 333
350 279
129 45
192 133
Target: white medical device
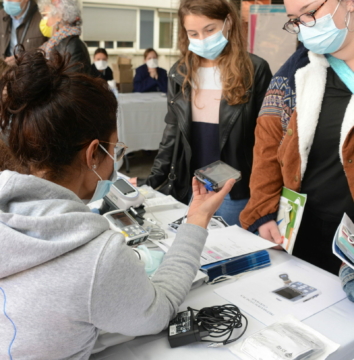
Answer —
123 195
121 221
296 291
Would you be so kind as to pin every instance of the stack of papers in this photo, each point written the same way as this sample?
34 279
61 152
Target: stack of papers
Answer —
225 244
230 251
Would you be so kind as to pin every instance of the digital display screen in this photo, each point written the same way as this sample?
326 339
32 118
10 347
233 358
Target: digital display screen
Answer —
122 219
288 293
124 187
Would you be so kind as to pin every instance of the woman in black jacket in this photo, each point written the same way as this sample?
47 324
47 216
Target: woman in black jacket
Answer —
214 94
62 23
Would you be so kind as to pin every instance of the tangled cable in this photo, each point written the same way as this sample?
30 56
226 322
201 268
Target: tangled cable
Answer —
221 321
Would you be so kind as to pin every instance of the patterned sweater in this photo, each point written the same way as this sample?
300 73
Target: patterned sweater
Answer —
280 98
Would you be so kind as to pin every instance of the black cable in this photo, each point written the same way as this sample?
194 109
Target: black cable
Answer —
220 321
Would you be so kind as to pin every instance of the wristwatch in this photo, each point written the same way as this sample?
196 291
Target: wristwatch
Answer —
285 278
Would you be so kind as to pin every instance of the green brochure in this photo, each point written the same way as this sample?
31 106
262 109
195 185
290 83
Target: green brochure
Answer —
291 208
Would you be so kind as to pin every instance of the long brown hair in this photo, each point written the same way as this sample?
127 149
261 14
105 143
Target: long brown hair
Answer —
235 65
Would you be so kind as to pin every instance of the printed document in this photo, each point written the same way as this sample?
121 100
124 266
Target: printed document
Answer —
293 287
226 243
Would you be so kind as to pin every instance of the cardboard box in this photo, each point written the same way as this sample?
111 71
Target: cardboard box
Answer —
123 60
126 76
126 87
125 67
122 73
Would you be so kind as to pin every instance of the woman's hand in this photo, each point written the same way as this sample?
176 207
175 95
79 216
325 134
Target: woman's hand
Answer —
10 60
134 181
205 203
270 231
153 73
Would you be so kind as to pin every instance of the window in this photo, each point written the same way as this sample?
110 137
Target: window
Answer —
95 44
146 29
125 44
166 26
109 44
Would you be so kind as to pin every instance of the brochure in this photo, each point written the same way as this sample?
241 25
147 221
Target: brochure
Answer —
293 287
343 241
291 208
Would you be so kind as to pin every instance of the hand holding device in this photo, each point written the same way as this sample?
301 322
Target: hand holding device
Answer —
205 203
215 175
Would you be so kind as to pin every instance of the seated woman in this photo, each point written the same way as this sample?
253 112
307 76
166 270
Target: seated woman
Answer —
63 274
100 66
149 77
62 23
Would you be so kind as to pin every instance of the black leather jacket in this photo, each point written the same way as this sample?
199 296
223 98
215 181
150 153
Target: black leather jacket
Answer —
78 51
236 132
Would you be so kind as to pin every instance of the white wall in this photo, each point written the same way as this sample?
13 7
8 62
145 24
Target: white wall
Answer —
167 57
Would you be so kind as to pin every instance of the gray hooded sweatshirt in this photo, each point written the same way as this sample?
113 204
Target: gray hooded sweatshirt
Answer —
64 274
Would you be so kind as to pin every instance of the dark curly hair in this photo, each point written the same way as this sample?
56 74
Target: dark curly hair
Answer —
48 114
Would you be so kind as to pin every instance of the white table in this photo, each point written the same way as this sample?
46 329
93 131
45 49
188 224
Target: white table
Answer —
335 322
141 120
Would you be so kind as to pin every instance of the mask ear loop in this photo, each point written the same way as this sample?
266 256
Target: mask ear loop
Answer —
336 8
115 163
93 169
227 35
347 21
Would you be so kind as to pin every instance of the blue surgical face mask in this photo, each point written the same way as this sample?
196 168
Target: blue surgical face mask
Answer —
102 189
103 186
211 47
12 8
324 37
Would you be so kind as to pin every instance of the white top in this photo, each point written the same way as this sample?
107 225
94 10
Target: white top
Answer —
206 102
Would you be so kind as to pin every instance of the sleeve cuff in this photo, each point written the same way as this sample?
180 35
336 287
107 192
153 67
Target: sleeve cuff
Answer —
262 221
346 274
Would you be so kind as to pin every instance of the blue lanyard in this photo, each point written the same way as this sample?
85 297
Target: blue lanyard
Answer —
345 73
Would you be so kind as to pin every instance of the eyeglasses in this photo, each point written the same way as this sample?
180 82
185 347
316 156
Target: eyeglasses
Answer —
308 19
119 150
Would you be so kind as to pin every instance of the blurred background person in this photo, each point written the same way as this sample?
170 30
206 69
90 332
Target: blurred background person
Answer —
19 24
100 66
62 23
149 77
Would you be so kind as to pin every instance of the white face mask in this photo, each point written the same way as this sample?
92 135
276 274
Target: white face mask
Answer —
152 63
101 64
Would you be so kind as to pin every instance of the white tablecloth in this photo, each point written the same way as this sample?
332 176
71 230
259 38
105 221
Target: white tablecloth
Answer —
335 322
141 120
